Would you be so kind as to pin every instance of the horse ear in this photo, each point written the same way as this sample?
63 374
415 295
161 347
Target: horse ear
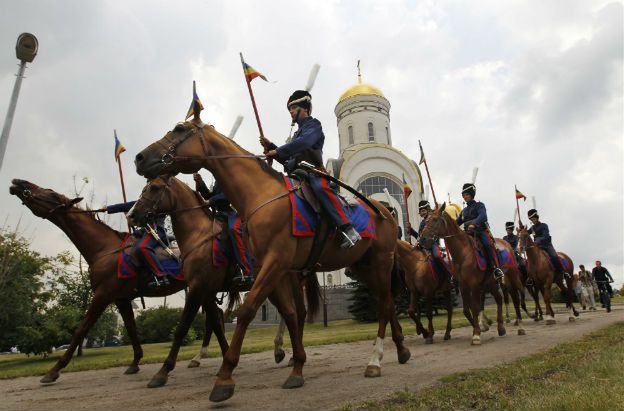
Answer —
442 207
73 202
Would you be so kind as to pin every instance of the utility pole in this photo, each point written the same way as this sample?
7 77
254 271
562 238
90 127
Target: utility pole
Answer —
25 50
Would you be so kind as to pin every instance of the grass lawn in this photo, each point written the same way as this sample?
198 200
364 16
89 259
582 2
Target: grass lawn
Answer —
584 375
256 340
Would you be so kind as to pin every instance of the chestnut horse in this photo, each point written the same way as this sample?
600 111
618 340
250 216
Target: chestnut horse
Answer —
259 195
422 282
195 230
100 246
543 274
472 281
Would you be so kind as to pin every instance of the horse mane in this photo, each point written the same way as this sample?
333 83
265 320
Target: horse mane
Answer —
263 164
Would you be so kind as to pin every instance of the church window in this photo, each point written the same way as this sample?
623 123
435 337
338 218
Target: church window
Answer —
371 132
376 184
330 280
350 135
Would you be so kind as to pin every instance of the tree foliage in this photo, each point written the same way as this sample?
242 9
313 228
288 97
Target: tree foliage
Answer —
158 325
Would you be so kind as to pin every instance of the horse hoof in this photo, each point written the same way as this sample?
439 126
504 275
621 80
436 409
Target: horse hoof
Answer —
157 381
49 378
404 356
291 362
502 332
193 364
476 340
521 332
279 356
507 321
425 334
447 337
293 381
133 369
576 314
221 392
490 321
551 322
429 340
572 319
372 371
516 323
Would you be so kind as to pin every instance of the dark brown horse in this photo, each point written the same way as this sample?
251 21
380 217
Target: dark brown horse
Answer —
544 275
472 281
259 195
99 245
422 283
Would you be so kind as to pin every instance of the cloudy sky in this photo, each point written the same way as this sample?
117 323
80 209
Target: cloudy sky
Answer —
528 91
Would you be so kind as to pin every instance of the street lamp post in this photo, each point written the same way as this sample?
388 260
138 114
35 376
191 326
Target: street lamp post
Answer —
25 50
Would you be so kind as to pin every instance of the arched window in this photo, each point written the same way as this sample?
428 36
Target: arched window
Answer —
350 135
330 280
371 132
376 184
388 136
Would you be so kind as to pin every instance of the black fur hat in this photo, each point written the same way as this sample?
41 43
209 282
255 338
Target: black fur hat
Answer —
300 98
423 204
509 224
469 188
533 213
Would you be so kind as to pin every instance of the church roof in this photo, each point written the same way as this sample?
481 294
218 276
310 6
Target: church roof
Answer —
360 89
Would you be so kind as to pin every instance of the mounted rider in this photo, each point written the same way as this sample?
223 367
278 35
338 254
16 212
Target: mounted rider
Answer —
474 219
512 239
226 214
424 209
146 245
543 240
307 145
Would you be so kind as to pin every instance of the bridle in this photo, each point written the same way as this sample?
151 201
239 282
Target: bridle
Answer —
170 155
56 205
435 237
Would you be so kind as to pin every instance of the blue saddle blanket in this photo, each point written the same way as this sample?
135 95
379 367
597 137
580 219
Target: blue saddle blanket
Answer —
305 220
127 268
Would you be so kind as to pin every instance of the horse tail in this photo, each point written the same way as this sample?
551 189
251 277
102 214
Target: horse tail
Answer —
398 284
313 295
234 301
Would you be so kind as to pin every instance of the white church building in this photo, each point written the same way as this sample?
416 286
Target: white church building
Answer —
368 161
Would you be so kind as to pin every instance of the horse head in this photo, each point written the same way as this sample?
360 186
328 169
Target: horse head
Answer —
523 238
157 197
176 152
435 228
43 202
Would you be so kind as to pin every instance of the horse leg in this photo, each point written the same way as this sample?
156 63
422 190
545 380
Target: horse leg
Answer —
474 300
96 308
506 300
414 312
500 322
267 277
429 339
203 351
465 294
549 311
567 290
484 321
278 352
449 313
516 297
191 306
283 300
125 309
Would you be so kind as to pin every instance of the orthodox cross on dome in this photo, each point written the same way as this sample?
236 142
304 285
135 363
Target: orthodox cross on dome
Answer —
359 72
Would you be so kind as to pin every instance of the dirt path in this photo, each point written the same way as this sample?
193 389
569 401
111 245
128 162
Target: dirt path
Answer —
334 373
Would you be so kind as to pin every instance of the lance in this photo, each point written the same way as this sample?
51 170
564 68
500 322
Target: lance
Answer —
253 103
424 160
518 206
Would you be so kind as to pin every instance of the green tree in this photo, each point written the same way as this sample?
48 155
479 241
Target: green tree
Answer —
23 289
363 306
156 324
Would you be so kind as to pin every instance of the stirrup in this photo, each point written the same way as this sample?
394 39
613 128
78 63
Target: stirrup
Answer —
350 237
498 274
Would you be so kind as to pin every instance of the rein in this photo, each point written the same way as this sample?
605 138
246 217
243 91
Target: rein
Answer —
58 206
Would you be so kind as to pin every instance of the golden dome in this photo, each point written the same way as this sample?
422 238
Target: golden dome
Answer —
360 89
453 210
